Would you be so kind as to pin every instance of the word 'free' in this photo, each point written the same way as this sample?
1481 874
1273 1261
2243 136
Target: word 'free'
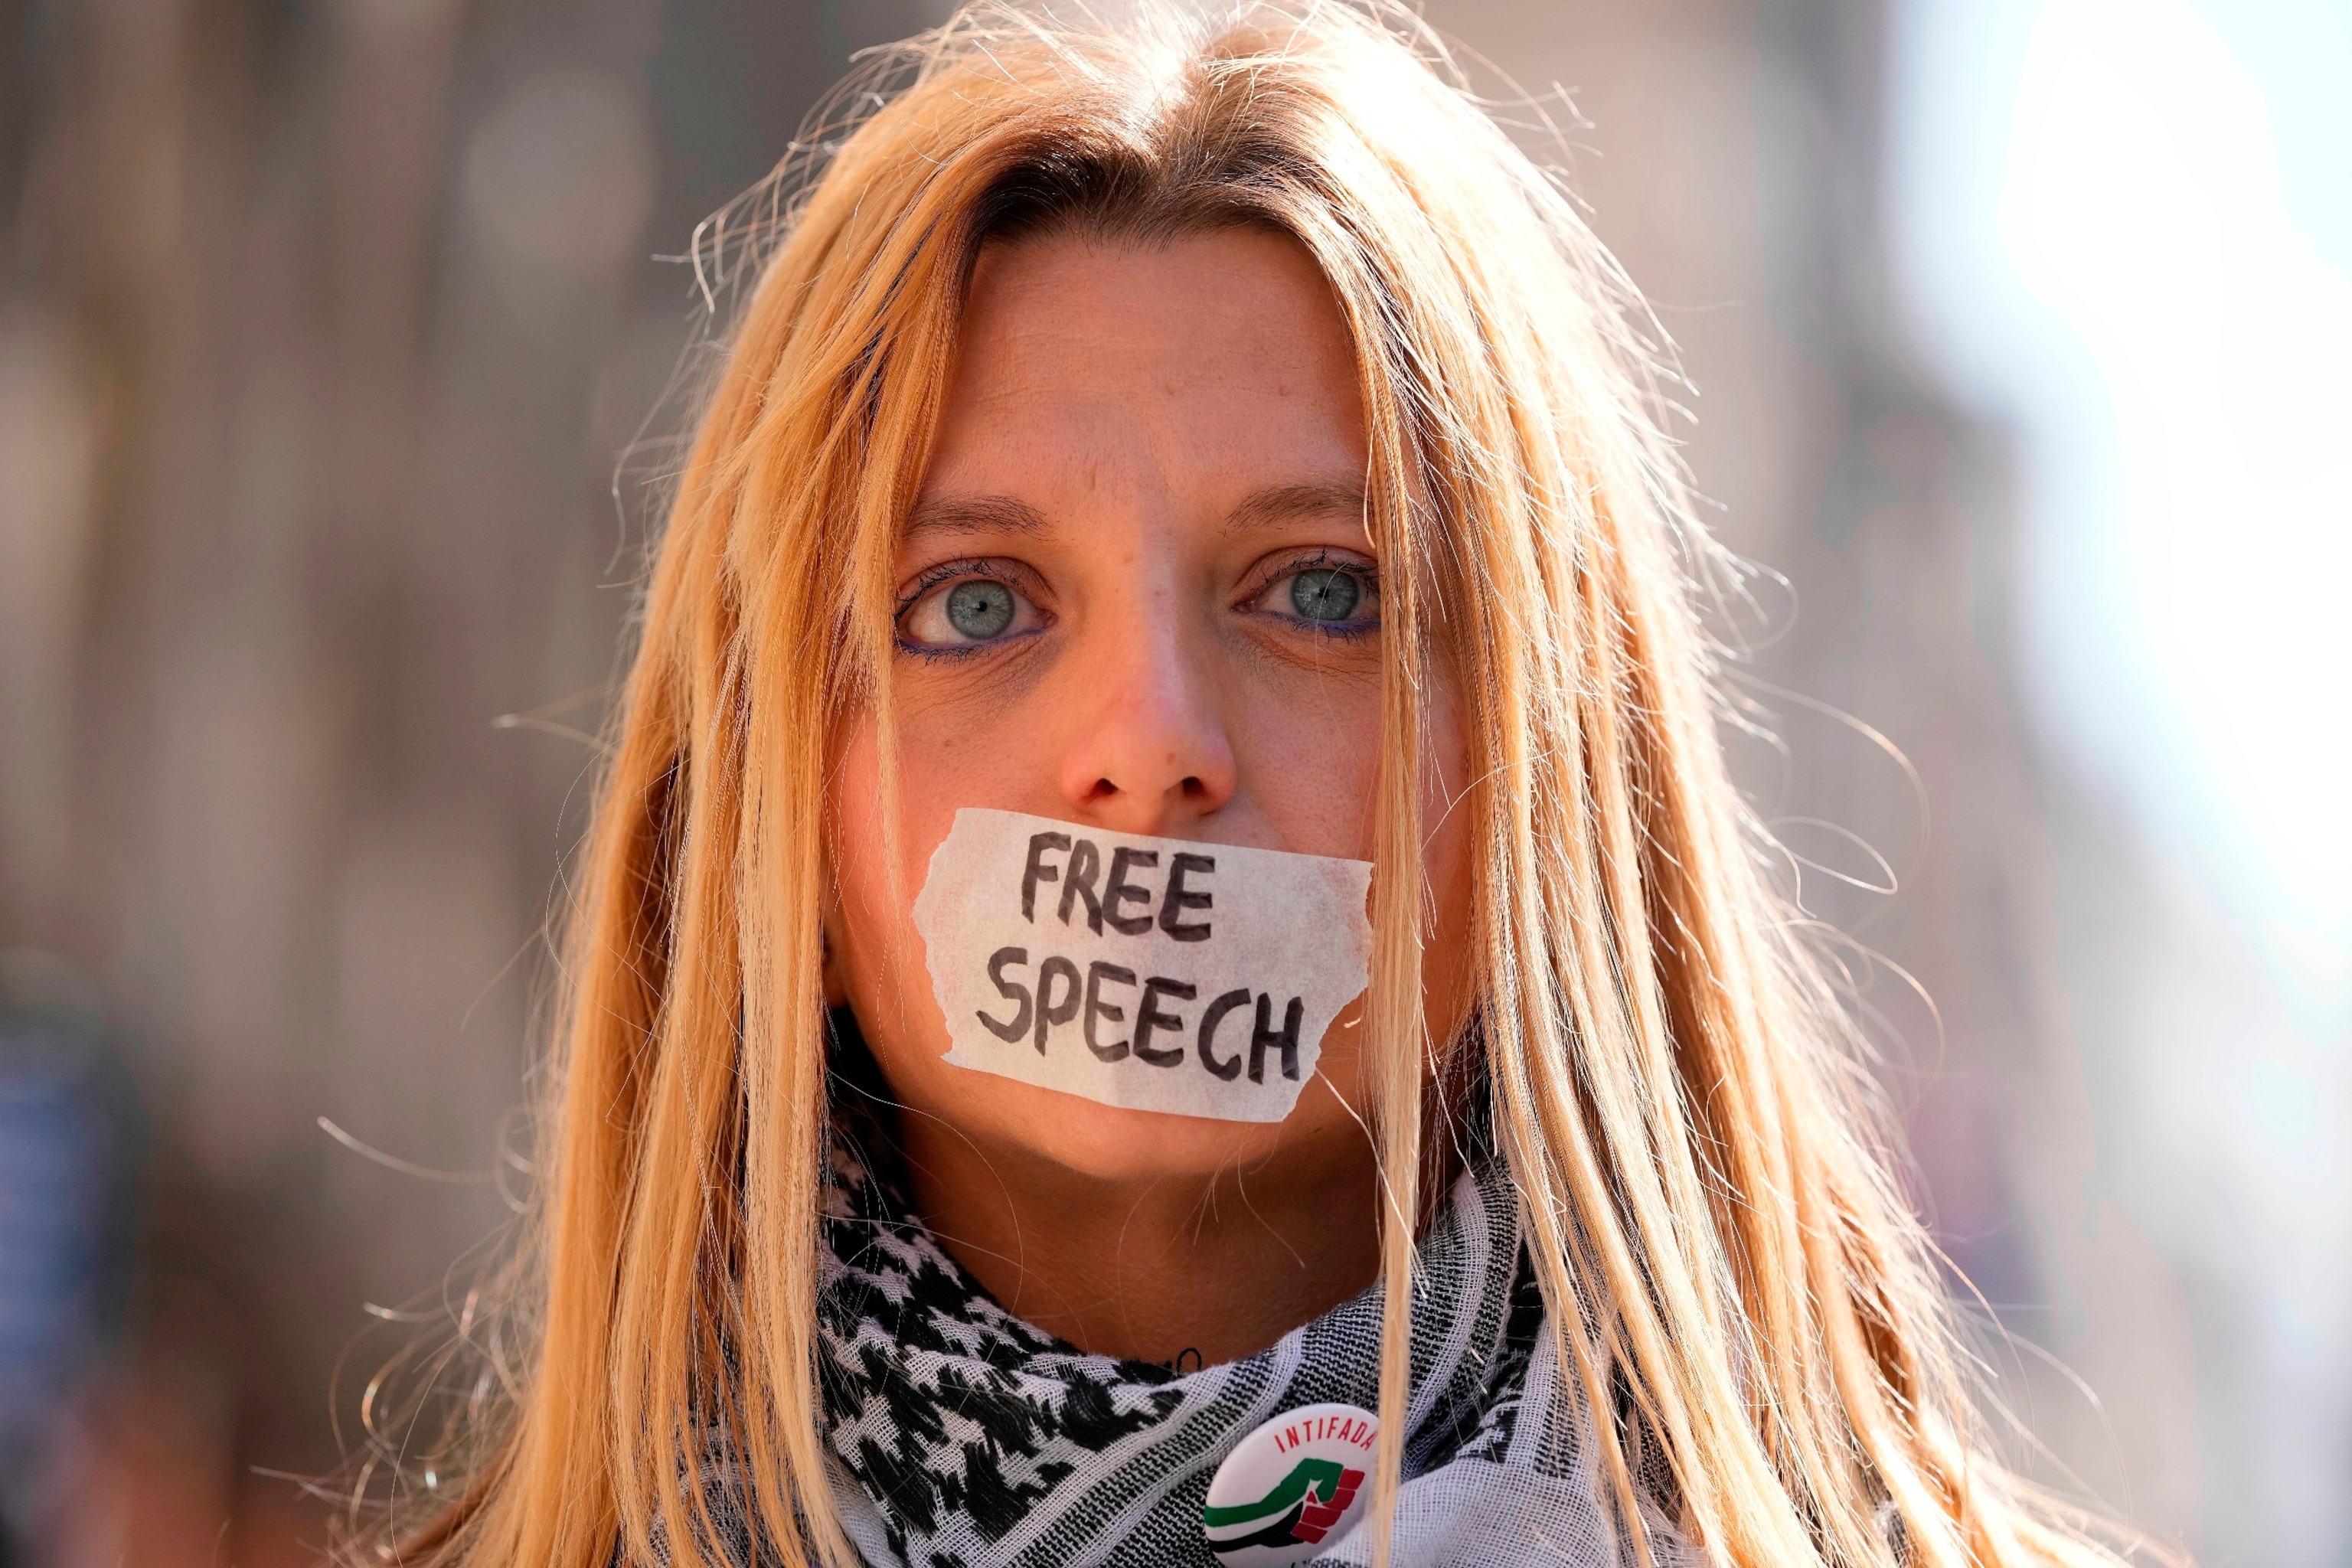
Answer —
1152 974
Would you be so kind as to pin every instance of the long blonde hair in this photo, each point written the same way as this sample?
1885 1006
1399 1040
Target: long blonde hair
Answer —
1744 1303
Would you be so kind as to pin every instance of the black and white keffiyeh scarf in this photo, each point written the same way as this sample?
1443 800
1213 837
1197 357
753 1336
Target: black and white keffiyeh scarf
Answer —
963 1437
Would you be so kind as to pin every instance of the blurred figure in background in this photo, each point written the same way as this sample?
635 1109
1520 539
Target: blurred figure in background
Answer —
66 1147
328 336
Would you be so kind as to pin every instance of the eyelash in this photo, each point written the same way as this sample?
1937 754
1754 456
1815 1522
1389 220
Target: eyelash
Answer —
933 578
945 572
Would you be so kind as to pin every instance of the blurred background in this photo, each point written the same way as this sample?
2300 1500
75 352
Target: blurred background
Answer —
2020 332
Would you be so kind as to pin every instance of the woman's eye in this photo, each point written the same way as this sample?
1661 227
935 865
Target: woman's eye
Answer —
1330 596
966 613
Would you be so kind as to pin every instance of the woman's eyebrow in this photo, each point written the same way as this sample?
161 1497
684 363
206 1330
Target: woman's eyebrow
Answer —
972 514
1342 498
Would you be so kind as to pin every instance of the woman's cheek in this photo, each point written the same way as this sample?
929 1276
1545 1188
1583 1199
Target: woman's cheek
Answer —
948 757
1307 744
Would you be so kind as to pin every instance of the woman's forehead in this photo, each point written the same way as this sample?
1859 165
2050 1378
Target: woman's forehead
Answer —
1212 371
1226 308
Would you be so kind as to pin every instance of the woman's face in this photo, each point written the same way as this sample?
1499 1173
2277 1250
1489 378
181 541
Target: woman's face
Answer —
1137 593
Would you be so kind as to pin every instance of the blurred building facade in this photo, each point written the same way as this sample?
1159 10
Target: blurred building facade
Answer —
323 333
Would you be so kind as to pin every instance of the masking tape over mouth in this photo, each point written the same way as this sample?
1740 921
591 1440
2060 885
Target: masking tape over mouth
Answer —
1151 973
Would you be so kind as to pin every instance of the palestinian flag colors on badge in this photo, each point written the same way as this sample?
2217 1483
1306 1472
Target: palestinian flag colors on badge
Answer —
1291 1485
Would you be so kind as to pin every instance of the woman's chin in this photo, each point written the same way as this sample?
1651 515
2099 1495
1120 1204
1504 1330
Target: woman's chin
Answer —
1114 1145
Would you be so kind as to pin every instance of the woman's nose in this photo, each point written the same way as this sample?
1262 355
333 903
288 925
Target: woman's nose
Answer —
1148 753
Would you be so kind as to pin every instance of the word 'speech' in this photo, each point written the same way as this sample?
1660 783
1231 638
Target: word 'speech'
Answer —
1152 974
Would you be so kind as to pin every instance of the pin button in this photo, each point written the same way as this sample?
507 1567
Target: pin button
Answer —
1301 1478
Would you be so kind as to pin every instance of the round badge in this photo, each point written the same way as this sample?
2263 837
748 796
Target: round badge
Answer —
1295 1481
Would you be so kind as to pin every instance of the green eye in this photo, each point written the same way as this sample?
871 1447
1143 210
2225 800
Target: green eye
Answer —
1326 595
979 609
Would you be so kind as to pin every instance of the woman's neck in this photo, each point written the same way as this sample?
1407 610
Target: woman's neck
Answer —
1155 1268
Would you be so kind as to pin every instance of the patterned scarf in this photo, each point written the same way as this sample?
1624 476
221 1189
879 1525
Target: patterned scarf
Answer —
963 1437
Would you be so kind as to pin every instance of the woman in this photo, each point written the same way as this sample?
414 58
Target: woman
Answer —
1210 434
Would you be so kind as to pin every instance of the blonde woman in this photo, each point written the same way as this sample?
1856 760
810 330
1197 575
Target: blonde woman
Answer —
1206 433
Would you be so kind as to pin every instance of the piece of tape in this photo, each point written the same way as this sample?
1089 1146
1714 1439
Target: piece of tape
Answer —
1152 974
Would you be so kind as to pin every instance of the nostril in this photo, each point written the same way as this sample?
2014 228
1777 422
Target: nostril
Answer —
1103 790
1193 788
